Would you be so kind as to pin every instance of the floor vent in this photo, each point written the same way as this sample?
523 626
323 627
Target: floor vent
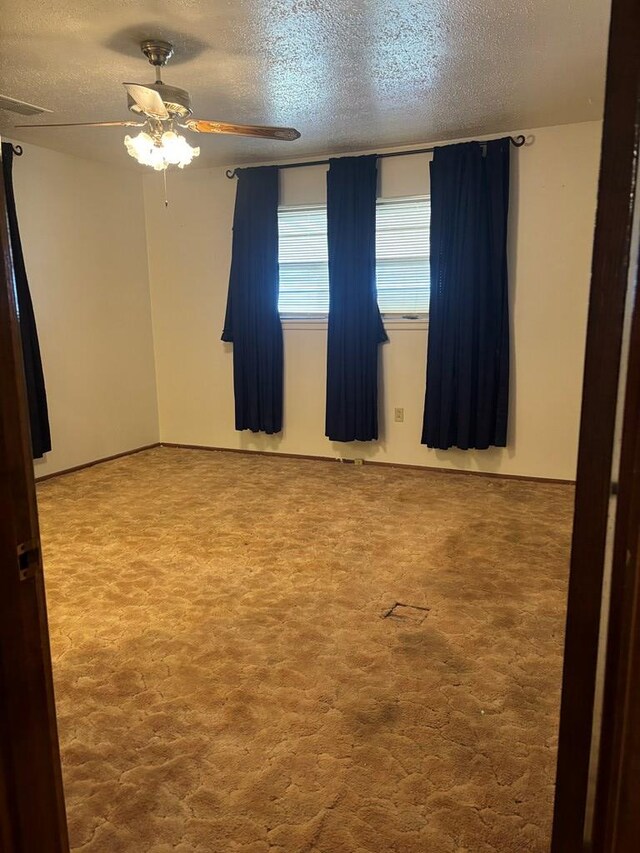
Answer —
407 613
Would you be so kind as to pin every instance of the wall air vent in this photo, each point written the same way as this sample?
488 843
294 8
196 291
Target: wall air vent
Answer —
20 107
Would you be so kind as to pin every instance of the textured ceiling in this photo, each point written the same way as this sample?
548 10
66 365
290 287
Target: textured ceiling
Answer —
349 75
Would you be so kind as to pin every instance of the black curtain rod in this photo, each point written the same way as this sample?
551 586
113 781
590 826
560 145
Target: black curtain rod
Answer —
17 149
516 141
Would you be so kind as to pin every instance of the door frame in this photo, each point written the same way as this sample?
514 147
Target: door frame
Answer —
591 748
32 812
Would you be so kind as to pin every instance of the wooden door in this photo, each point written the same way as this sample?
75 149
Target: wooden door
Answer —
32 814
616 779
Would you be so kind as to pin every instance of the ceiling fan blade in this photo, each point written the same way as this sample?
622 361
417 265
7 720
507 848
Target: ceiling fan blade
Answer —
89 124
200 126
148 99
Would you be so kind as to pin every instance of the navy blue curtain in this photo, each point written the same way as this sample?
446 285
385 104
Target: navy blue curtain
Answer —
34 377
252 321
355 325
467 396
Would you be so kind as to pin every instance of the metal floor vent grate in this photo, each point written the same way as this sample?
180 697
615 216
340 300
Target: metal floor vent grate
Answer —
407 613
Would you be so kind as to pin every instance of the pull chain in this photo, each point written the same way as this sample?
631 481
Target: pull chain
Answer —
166 200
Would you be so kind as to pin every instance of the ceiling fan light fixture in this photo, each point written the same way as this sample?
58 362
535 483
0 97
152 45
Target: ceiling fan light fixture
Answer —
169 149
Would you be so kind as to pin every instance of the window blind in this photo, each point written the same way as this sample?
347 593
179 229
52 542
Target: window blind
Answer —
402 257
303 259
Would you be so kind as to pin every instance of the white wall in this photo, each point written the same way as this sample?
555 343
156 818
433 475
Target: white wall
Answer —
551 231
83 235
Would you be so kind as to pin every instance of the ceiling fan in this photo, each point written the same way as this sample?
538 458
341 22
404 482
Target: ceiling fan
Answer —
163 108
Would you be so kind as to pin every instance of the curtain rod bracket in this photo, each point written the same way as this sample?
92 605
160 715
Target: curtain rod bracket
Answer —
516 141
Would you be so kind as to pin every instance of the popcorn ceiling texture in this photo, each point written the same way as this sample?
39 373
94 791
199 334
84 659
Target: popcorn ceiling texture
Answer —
225 681
349 75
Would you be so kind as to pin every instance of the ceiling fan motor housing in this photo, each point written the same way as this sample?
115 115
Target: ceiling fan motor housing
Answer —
177 101
158 52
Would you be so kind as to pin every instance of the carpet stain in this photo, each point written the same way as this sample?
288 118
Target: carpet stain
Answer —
225 683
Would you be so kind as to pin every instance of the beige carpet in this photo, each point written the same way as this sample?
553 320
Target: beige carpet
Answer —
226 682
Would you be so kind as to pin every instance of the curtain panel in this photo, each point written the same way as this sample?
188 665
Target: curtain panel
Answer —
467 394
355 326
34 375
252 322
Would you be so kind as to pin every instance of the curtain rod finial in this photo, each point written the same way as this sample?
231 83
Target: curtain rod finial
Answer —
231 173
518 141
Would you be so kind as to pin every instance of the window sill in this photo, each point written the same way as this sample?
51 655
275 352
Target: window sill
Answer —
391 324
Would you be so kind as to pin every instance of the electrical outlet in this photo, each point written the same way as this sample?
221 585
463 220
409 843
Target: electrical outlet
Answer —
399 416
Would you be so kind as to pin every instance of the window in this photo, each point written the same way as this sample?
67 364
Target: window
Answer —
402 258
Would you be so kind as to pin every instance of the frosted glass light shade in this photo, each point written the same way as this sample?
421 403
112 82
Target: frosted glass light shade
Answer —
170 149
